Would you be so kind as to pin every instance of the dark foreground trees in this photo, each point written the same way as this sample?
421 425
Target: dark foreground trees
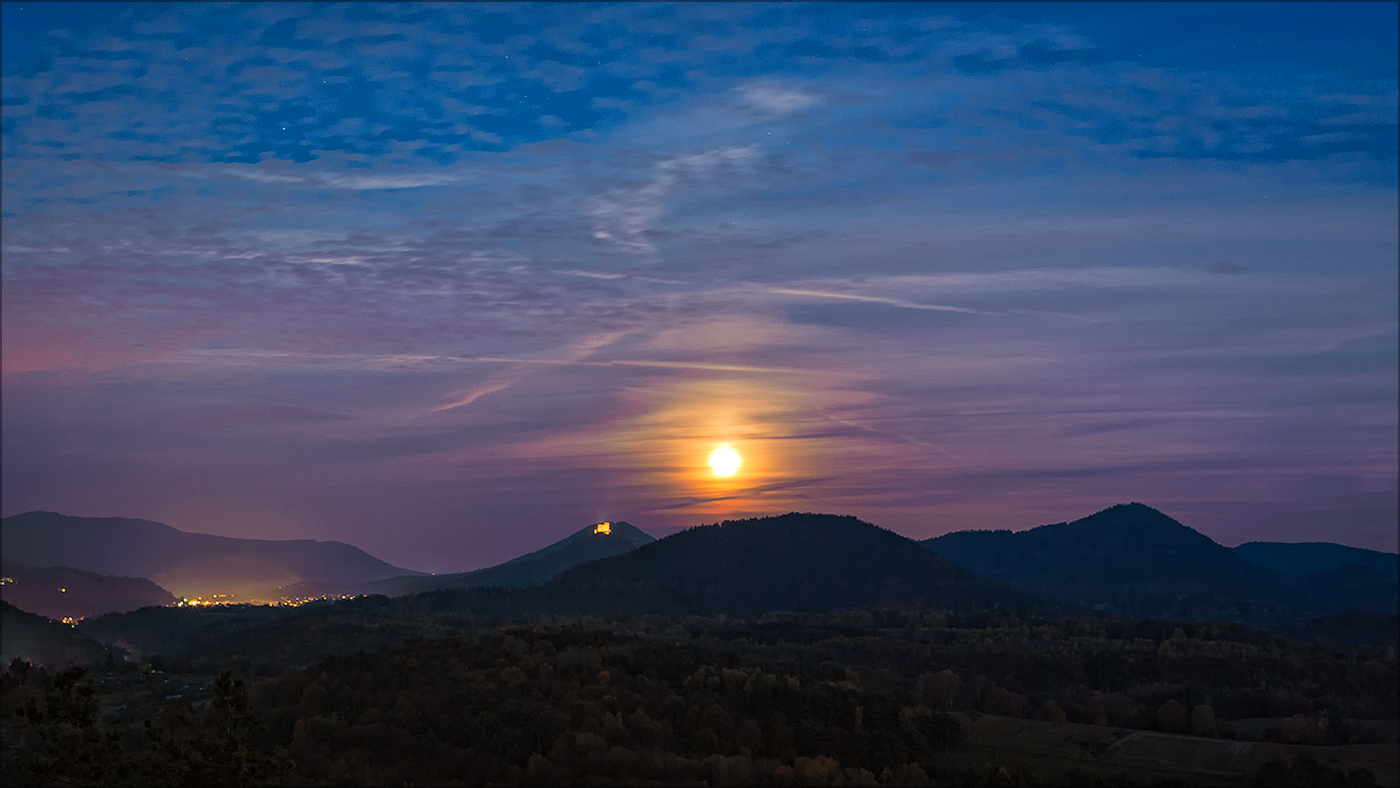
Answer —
568 705
61 742
859 697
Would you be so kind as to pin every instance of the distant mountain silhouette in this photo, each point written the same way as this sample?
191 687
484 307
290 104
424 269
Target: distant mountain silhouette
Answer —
62 592
794 562
583 545
1131 559
43 641
187 564
541 566
1307 558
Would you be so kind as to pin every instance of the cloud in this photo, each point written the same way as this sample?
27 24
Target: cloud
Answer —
624 217
899 302
344 181
249 174
775 99
405 181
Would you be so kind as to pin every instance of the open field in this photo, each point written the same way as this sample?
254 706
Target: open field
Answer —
1048 747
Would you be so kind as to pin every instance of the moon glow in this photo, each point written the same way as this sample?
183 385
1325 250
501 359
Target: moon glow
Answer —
724 461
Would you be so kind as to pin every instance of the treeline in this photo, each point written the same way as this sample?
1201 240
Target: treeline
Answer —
864 697
53 736
1151 674
690 700
1102 670
541 705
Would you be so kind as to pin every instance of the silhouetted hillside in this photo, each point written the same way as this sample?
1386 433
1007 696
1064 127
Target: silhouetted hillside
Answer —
189 630
62 592
587 544
187 564
1307 558
582 546
795 562
1134 560
43 641
1351 587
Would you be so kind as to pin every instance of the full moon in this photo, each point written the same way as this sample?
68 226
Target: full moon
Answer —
724 461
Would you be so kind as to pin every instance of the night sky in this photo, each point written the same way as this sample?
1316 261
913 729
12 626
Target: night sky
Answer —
449 283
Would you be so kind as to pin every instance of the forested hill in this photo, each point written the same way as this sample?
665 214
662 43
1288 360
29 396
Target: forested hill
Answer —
1133 560
582 546
43 641
61 592
1306 558
793 562
187 564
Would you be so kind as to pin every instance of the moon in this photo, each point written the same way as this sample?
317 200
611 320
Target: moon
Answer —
724 461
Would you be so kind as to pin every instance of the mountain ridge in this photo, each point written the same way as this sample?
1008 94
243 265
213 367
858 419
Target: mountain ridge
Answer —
1306 558
60 592
540 566
188 564
1131 559
796 562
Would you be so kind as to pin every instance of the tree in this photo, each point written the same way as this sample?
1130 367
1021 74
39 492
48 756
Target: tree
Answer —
940 728
1093 712
228 757
1203 721
62 742
1172 717
1002 702
1050 711
942 688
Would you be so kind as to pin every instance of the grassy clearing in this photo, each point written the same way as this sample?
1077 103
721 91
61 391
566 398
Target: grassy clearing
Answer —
1048 748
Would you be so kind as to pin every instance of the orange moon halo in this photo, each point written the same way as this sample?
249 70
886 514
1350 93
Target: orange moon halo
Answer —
724 461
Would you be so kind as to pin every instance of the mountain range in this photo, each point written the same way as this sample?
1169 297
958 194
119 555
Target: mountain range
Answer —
600 540
1128 560
186 564
1133 560
795 562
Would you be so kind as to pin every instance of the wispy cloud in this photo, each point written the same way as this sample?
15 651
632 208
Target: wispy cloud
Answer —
775 99
899 302
625 216
344 181
371 182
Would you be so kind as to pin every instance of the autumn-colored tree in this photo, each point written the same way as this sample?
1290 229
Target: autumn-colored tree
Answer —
1050 711
1002 702
941 688
1171 716
1203 721
1092 711
751 737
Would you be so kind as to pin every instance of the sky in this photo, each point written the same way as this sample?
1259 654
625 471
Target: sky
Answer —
449 283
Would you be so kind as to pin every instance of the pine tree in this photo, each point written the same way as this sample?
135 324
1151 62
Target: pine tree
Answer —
62 744
228 756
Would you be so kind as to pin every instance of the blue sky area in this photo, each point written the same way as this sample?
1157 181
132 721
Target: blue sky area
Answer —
450 282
